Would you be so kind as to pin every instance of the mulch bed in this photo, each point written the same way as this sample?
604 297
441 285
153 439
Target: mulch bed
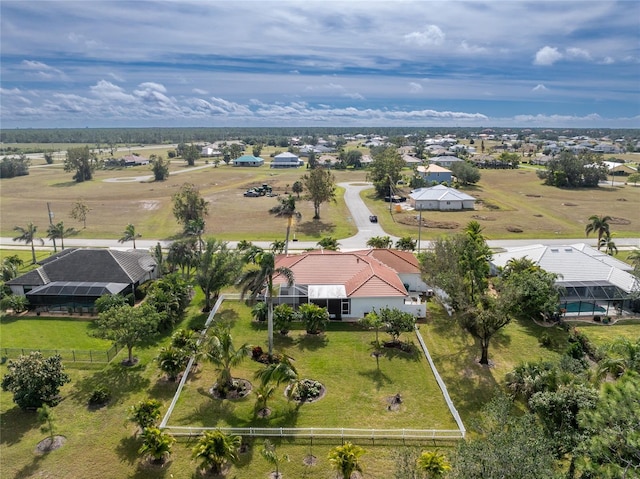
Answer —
233 394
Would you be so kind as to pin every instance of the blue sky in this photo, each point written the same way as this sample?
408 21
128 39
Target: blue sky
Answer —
349 63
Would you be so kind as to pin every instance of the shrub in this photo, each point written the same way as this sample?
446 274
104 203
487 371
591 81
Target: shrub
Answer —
100 395
545 340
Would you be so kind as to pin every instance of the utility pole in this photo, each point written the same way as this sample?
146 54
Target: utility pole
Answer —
55 249
419 227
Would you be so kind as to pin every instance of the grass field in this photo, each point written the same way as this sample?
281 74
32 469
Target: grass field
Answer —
509 199
100 443
49 333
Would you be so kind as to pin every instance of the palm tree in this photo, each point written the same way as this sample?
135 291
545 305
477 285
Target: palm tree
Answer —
156 444
609 245
263 393
287 209
598 224
130 235
345 459
27 235
195 228
10 266
215 449
433 464
269 453
260 278
634 258
280 372
622 355
58 231
314 317
223 354
172 360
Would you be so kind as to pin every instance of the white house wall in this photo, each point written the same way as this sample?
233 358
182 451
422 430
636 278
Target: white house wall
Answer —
361 306
414 281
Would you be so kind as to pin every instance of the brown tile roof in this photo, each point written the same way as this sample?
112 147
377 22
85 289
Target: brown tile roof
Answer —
403 262
362 275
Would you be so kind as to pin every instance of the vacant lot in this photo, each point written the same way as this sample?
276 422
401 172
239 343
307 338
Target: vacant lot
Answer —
513 204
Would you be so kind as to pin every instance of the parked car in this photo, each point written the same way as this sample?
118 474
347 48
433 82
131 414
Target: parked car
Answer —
252 193
373 218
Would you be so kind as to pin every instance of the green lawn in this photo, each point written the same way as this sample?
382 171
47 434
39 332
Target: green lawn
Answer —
49 333
601 333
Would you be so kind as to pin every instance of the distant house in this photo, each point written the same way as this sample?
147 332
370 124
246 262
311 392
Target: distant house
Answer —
349 285
248 160
591 281
77 277
441 198
619 168
210 151
435 173
411 160
445 161
286 160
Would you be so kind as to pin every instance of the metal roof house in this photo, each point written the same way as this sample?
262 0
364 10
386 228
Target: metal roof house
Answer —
286 160
76 277
591 281
435 173
248 160
349 285
441 198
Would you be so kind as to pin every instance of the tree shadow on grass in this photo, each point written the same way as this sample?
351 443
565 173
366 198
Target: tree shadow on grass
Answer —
120 380
14 423
315 228
127 449
30 470
311 342
65 184
379 378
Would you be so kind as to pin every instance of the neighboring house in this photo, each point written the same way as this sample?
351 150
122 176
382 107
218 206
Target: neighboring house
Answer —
248 160
411 160
286 160
441 198
445 161
210 151
435 173
349 285
619 168
404 263
77 277
591 281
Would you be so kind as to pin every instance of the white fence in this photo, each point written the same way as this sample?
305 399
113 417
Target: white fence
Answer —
319 432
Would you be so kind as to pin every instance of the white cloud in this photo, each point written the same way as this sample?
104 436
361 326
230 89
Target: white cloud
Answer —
41 69
153 86
547 56
578 54
607 61
200 91
116 77
415 87
431 35
471 49
539 87
110 92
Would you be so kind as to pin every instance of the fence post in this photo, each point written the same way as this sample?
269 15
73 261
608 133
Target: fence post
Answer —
73 352
90 357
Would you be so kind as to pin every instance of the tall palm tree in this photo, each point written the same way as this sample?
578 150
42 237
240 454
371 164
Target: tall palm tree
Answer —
130 235
58 231
195 227
345 459
599 225
287 209
259 278
27 235
215 448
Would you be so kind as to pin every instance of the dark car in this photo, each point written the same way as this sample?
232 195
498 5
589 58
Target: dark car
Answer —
251 193
373 218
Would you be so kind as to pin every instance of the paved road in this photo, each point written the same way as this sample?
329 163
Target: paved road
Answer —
359 215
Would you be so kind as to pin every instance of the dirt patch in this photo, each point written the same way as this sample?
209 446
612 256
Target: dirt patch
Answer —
415 221
514 229
48 444
264 413
310 460
150 205
534 196
482 218
394 402
569 204
619 221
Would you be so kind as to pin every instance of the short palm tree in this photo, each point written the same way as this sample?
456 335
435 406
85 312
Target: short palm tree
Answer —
27 235
156 444
172 361
263 393
130 235
258 279
286 208
281 372
634 258
58 231
260 311
215 449
314 317
599 225
269 453
221 351
345 459
433 464
608 244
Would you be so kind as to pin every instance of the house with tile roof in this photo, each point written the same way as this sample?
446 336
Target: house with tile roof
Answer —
441 198
590 280
349 285
76 277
